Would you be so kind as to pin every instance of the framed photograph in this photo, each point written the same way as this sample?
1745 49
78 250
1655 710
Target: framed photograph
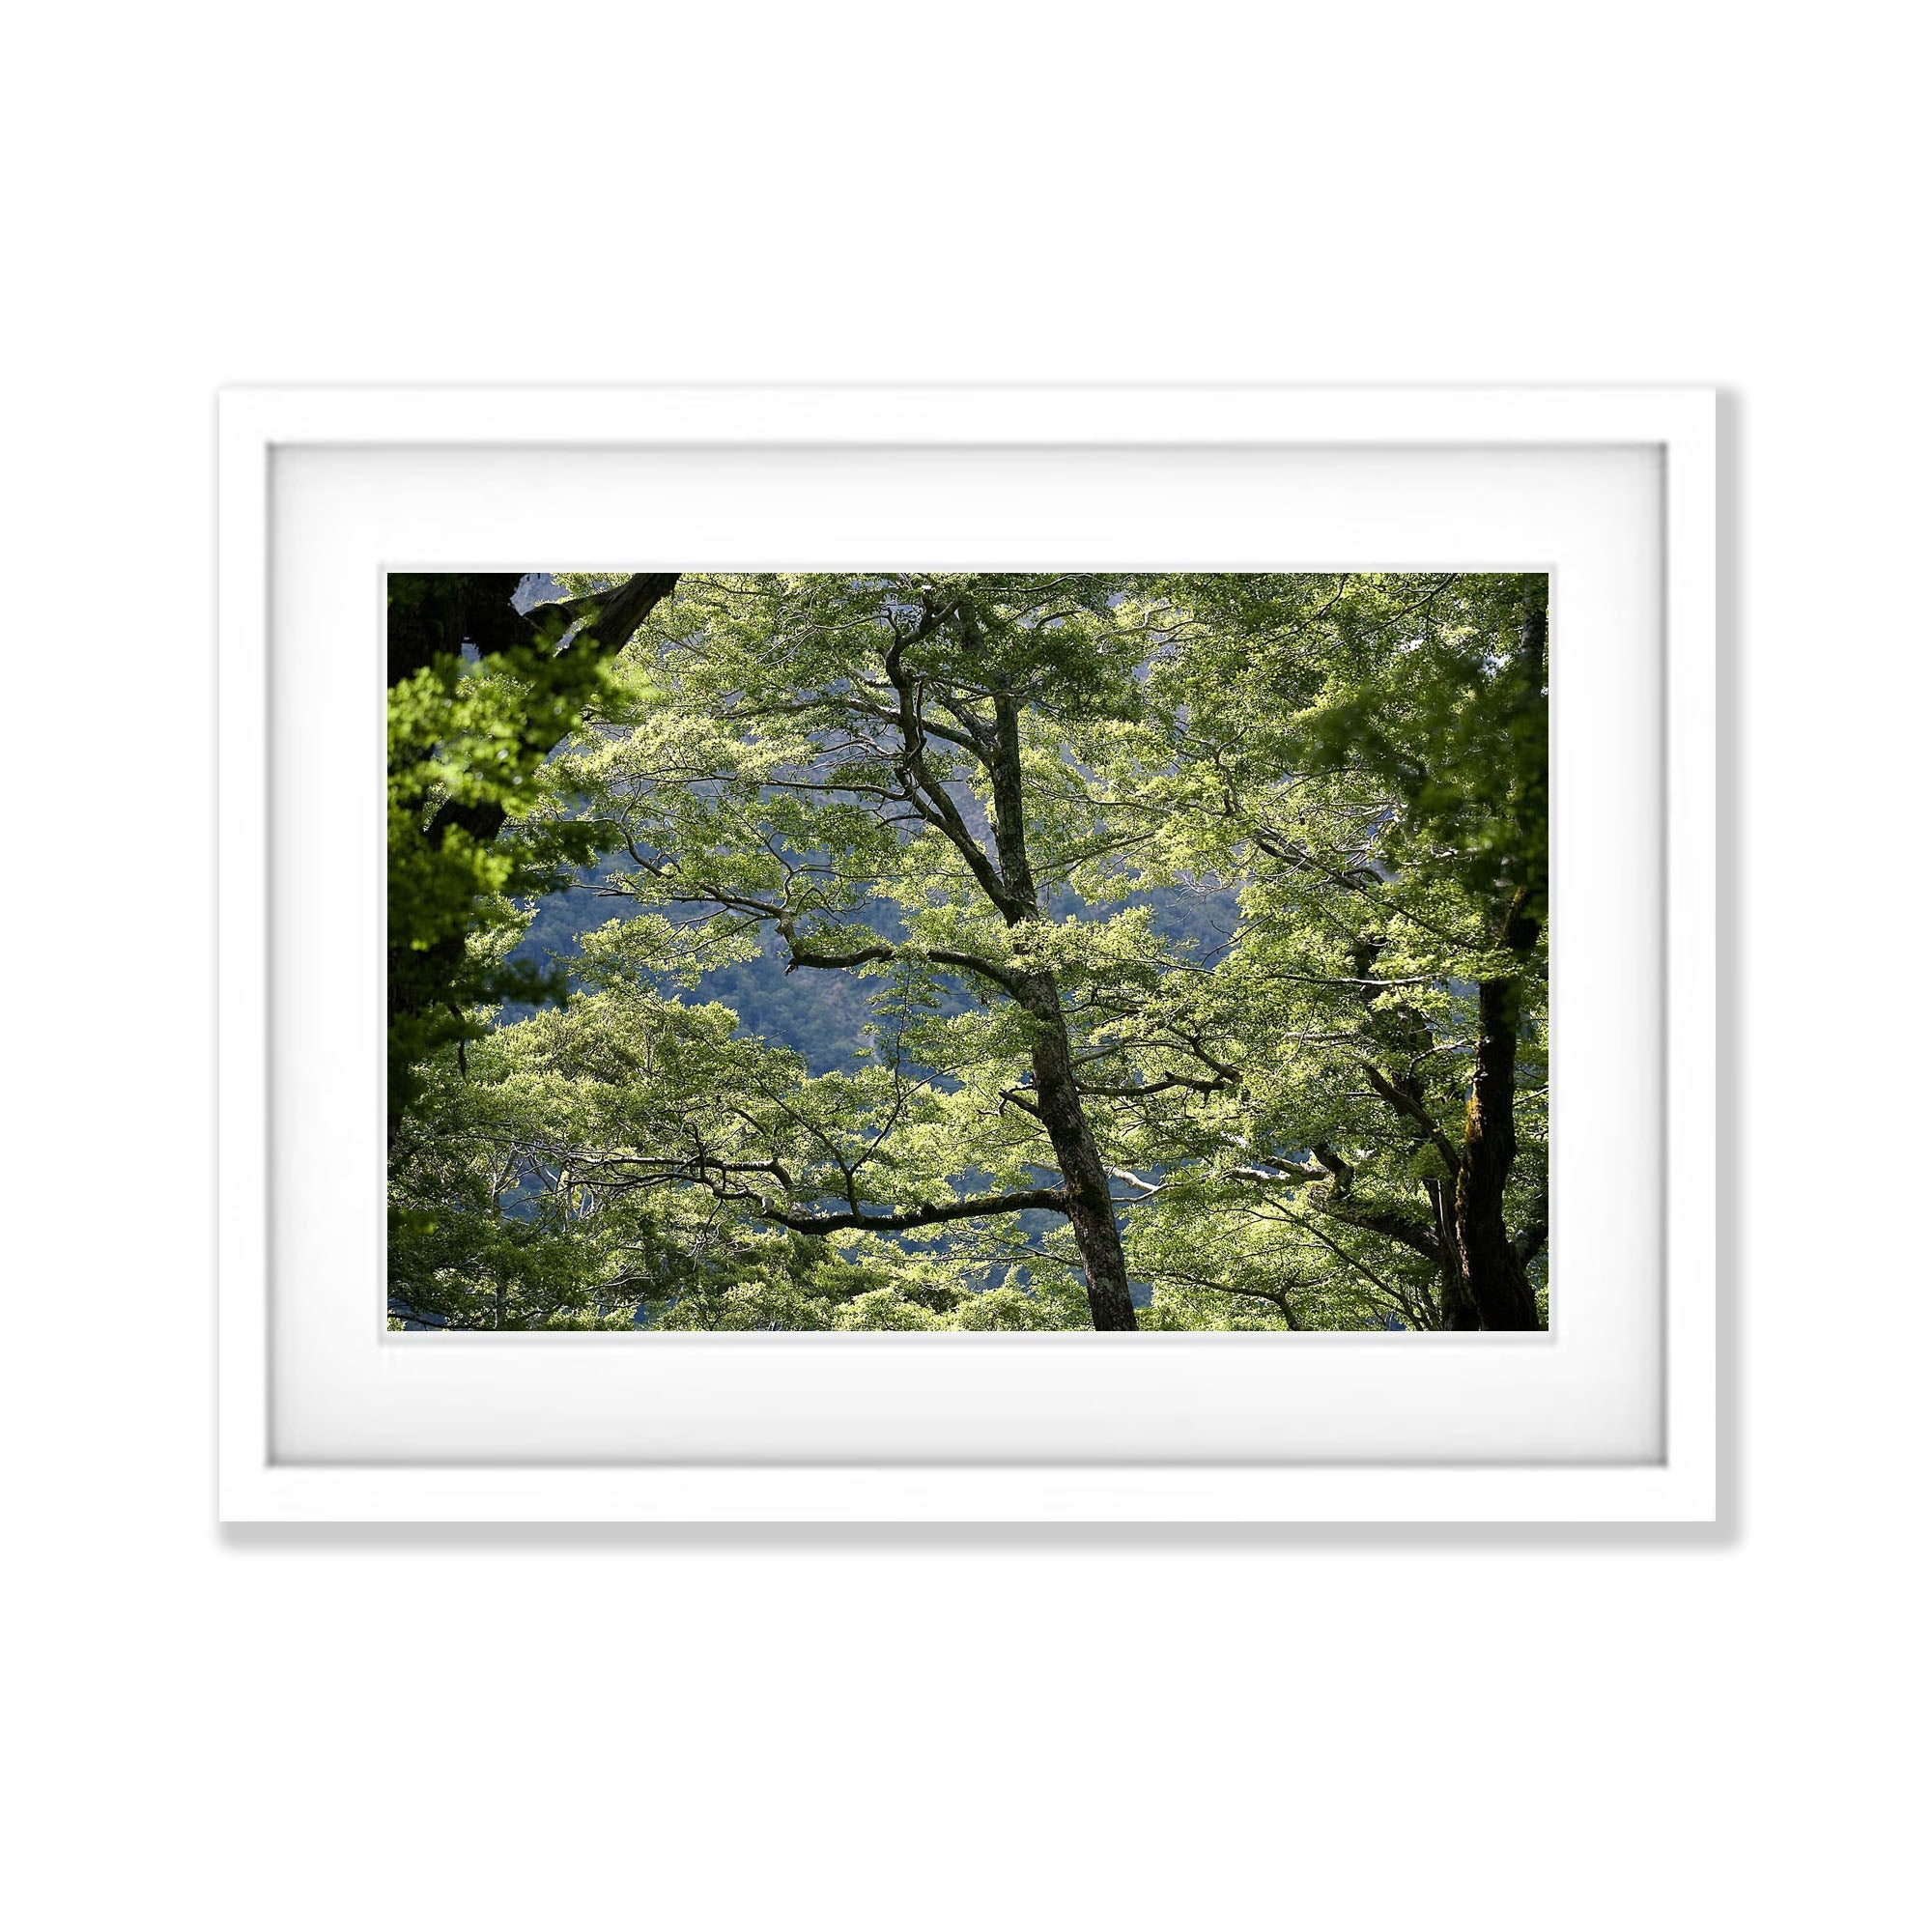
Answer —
968 954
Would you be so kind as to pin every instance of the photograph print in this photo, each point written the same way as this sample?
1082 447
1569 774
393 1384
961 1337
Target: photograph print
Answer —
930 951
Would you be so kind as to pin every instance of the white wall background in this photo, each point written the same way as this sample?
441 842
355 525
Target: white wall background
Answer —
579 1730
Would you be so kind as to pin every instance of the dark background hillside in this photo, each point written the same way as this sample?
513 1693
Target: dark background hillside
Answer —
821 1015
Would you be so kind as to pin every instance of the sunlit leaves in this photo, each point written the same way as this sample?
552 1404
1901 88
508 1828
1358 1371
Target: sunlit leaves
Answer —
1276 823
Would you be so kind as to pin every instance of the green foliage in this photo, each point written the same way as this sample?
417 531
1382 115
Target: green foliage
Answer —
474 825
1277 824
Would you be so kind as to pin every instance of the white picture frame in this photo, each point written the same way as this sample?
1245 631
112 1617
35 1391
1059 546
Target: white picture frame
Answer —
487 461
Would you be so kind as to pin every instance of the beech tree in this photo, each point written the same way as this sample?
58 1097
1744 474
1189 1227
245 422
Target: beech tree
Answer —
1202 922
1370 754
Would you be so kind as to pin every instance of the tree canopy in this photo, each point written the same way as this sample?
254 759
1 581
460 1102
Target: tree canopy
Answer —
1194 927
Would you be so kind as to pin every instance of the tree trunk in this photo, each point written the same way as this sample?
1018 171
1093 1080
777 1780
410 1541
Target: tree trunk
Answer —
1457 1305
1497 1280
1089 1201
1492 1266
